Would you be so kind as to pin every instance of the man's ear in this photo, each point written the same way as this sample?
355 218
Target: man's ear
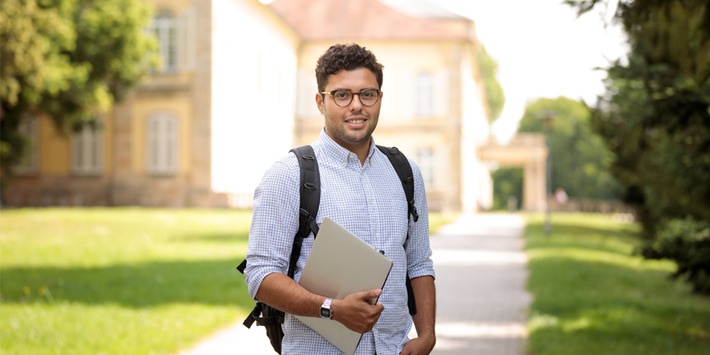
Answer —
320 103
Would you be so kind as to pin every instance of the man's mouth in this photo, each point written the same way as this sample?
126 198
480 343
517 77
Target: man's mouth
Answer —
356 120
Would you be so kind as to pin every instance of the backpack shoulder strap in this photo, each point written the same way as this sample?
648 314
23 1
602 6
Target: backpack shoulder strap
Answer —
406 176
404 171
309 189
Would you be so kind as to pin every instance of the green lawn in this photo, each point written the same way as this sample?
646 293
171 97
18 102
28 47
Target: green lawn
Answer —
593 296
120 281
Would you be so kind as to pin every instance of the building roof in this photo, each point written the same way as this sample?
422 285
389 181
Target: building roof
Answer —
370 19
424 8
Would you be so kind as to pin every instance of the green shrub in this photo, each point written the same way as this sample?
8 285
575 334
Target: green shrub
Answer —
687 242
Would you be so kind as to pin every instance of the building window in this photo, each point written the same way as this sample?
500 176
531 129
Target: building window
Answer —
425 160
87 148
28 129
165 28
176 40
425 94
162 144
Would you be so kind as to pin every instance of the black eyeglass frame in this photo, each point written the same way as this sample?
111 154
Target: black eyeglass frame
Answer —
352 96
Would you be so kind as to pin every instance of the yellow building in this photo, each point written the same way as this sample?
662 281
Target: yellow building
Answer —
236 91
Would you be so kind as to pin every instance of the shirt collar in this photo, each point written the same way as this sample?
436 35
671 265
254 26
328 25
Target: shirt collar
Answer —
338 152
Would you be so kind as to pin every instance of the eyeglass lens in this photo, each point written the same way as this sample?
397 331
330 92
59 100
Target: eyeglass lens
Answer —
368 97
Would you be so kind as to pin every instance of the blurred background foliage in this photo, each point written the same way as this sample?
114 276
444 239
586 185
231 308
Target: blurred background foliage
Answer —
494 91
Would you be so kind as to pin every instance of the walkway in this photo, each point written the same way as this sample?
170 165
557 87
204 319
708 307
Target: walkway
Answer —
481 298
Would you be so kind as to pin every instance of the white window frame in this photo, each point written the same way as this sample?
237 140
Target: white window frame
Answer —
162 144
87 149
28 165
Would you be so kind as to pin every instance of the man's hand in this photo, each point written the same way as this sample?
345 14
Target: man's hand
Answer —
425 295
418 346
357 311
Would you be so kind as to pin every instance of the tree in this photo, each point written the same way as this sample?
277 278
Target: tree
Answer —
507 188
655 117
494 92
67 58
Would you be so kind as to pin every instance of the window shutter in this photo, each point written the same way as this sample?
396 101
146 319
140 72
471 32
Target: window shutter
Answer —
425 160
87 149
185 42
29 163
425 94
162 144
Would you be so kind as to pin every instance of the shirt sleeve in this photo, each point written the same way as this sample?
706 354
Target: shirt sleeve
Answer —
274 223
418 249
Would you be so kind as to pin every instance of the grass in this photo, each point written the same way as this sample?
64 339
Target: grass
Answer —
121 281
118 281
438 220
592 295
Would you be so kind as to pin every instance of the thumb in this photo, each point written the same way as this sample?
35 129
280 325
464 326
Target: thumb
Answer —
372 295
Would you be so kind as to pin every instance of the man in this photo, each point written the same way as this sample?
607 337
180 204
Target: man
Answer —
361 191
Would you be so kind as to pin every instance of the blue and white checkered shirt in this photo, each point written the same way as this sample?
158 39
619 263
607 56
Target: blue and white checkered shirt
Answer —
366 199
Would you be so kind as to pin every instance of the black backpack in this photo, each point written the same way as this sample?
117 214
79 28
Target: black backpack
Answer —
271 318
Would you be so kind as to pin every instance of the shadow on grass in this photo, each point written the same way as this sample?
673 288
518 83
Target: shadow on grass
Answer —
212 282
225 238
588 237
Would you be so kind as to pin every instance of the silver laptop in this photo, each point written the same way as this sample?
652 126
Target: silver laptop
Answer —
340 263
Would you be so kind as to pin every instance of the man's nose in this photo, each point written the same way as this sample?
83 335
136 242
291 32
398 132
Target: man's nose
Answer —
356 104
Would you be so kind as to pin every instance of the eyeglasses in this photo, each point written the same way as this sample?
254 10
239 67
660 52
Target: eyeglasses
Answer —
343 97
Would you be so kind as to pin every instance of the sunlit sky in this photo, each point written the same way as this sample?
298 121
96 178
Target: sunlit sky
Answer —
543 49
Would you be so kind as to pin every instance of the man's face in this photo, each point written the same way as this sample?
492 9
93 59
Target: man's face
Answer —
350 126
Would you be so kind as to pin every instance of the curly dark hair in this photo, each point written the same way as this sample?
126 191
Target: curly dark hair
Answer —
346 57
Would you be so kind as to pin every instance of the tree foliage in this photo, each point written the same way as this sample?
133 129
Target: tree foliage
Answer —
655 117
67 58
507 188
494 91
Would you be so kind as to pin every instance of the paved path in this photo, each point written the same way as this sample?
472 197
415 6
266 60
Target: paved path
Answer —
481 275
481 298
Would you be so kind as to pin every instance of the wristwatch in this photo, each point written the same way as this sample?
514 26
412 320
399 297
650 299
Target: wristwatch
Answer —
325 311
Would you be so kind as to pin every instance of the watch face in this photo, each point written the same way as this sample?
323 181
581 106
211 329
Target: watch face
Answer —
325 312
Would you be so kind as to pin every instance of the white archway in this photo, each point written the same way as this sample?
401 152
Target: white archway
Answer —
528 151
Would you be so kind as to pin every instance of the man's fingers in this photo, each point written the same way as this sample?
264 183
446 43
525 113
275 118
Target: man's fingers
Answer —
371 296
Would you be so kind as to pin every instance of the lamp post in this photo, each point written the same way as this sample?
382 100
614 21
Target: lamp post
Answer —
547 123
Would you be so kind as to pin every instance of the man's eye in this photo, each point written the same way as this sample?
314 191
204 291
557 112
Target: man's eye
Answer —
367 94
341 94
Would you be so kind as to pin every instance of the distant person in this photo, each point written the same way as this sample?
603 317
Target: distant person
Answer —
361 192
561 196
512 203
